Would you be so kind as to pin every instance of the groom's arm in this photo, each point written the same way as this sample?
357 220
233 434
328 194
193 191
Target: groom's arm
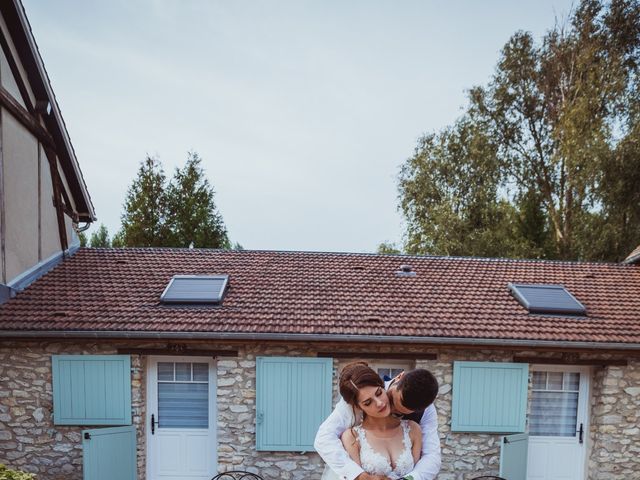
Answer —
329 446
428 466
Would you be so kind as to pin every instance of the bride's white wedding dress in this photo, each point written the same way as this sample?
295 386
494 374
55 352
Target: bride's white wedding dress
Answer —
377 463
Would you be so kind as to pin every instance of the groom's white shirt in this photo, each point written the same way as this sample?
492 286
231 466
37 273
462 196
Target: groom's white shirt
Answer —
330 448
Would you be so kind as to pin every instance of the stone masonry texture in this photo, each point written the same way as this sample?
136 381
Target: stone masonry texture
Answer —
29 440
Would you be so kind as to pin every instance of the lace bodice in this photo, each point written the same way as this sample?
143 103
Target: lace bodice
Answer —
376 463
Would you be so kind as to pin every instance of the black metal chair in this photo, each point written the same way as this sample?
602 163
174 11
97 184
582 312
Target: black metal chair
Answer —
237 475
488 477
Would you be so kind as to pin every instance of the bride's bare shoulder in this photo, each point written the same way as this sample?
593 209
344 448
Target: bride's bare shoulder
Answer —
349 437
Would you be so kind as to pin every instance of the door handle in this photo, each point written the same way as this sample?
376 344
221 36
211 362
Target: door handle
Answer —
153 424
581 434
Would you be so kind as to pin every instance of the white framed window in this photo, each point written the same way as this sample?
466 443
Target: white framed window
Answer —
391 368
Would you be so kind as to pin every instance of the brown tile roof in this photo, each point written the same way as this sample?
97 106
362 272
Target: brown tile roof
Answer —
327 293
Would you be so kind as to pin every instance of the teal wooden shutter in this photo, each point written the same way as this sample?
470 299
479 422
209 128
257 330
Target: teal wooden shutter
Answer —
489 397
513 456
91 389
293 397
109 453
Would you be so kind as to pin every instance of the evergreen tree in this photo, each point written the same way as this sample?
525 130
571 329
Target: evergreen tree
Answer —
144 221
179 213
192 216
100 239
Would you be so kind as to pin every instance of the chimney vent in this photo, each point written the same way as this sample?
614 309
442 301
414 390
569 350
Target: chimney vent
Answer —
405 271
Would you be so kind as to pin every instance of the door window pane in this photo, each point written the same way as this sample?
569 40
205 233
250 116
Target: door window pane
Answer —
540 380
200 372
183 372
183 395
572 381
183 405
165 371
554 380
554 404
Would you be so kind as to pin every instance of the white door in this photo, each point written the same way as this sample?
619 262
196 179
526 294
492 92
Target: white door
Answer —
181 418
558 426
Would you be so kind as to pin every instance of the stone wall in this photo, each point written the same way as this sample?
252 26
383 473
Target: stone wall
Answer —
30 441
615 423
28 438
237 416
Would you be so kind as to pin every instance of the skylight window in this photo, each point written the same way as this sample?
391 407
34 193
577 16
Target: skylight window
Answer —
200 289
550 299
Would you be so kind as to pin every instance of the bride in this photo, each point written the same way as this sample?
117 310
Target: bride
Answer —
382 444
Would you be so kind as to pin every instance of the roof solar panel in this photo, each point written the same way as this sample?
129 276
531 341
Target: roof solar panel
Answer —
195 289
552 299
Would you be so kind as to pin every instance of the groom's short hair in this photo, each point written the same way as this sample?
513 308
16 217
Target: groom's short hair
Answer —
418 388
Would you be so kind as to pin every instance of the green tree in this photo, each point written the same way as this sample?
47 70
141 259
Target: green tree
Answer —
100 239
388 248
452 199
83 239
118 241
178 213
192 216
144 220
544 162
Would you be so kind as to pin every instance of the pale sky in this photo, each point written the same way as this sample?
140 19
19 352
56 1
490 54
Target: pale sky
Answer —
303 111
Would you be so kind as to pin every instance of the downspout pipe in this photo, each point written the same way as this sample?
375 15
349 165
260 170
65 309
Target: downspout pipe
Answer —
299 337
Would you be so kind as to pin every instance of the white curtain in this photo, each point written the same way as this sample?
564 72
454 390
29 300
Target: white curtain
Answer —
554 404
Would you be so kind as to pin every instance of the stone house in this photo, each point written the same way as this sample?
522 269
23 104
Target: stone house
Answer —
43 197
121 364
180 363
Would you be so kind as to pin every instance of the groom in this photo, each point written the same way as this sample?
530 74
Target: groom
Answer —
411 395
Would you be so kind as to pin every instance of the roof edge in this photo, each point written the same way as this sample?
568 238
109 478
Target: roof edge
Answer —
304 337
633 258
29 276
404 256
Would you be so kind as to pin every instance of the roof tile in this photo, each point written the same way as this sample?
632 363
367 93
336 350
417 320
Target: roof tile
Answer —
327 293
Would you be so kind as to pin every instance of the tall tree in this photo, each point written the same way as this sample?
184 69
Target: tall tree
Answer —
100 239
192 214
144 220
178 213
544 162
388 248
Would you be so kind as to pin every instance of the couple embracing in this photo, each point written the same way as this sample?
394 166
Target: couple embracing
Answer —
381 430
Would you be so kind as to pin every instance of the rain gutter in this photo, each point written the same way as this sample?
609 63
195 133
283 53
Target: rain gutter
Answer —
300 337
